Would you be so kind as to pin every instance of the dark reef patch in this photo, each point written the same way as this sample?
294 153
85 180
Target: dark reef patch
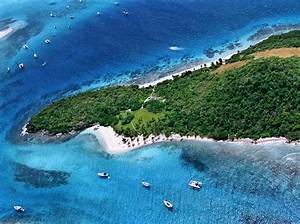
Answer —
267 31
40 178
246 218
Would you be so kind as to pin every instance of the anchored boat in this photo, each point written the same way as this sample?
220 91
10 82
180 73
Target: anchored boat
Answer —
168 204
195 184
19 208
146 184
103 175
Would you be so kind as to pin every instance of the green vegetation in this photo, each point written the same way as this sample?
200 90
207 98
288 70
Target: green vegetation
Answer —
258 99
286 40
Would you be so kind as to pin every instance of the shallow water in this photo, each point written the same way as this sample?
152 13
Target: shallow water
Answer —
57 183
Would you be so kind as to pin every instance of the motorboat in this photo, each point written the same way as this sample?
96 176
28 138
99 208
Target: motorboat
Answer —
146 184
98 13
52 15
72 17
19 208
35 55
44 64
103 175
195 184
47 41
25 46
8 69
168 204
125 13
21 66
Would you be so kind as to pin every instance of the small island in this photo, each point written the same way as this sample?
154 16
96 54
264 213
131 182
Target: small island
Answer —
254 94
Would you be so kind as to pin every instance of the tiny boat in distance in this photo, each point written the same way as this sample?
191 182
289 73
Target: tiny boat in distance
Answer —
125 13
21 66
168 204
8 69
146 184
195 184
103 175
47 41
18 208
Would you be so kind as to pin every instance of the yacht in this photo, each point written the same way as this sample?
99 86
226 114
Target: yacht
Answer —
146 184
18 208
168 204
21 66
195 184
47 41
103 175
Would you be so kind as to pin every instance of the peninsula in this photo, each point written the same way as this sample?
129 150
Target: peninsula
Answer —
254 94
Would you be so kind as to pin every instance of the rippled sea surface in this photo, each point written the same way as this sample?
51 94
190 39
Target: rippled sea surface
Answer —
57 183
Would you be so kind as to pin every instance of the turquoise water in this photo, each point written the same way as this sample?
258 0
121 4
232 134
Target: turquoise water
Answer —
57 183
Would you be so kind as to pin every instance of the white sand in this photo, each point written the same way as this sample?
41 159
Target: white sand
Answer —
179 73
115 144
11 28
5 32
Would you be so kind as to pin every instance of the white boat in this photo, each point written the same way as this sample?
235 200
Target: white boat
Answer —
47 41
52 15
35 55
103 175
98 13
21 66
44 64
25 46
8 69
168 204
146 184
125 13
72 17
195 184
19 208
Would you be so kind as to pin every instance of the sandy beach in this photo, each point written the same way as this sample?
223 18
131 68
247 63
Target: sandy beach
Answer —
5 32
12 28
116 144
180 72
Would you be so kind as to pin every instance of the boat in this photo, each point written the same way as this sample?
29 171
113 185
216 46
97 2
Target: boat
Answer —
52 15
146 184
44 64
8 69
125 13
21 66
35 55
19 208
117 3
195 184
47 41
103 175
168 204
72 17
25 46
98 13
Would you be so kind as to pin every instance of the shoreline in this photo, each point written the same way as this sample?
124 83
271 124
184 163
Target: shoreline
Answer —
180 72
114 143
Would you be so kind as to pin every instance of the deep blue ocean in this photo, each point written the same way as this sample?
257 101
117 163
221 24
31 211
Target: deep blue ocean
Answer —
57 183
